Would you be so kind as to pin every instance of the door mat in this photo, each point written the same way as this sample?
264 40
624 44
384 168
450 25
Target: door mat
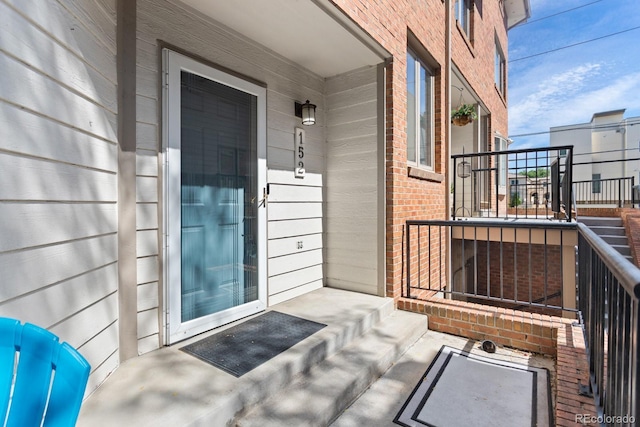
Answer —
462 389
243 347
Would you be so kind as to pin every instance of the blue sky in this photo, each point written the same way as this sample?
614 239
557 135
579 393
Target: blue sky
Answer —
570 85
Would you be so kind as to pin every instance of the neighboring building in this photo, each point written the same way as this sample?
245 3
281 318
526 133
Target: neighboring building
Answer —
526 192
156 182
605 150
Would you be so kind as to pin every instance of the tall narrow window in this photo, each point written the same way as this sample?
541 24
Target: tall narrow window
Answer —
462 15
596 184
500 70
419 112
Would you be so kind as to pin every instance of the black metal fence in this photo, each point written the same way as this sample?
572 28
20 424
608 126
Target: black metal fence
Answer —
518 265
530 183
609 299
612 191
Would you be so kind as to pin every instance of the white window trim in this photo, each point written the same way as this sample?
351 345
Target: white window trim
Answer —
431 143
502 189
466 10
501 70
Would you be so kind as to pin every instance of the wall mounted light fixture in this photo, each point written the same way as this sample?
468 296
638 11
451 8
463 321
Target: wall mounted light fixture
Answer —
307 112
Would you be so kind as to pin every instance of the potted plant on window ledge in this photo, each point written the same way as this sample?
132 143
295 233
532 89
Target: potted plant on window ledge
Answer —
463 115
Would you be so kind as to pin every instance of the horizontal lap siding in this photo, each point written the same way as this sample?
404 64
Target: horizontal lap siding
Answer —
353 186
295 205
58 163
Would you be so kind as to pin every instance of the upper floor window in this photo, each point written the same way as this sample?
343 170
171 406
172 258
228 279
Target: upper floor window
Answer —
420 121
563 152
462 8
500 69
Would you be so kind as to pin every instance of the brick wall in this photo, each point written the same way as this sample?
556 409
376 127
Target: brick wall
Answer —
390 22
516 329
554 336
511 279
631 221
572 370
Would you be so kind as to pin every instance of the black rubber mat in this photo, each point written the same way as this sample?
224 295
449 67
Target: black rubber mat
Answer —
461 389
243 347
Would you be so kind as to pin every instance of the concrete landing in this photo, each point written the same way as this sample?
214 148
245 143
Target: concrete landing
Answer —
379 405
168 387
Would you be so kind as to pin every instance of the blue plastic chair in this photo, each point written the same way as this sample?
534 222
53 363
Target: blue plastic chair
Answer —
27 393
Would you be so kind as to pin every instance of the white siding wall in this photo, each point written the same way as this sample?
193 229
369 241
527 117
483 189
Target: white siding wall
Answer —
58 163
353 184
581 141
295 205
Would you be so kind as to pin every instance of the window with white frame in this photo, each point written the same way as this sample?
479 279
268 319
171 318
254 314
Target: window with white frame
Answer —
500 69
420 132
501 161
461 11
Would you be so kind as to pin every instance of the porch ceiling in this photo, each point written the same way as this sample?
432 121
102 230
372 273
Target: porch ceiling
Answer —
466 96
517 11
313 34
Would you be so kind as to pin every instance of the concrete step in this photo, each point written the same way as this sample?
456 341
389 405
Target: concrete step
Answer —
615 240
318 396
602 230
600 221
169 387
623 249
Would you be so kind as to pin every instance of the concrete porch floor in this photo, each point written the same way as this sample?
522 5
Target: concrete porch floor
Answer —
364 337
381 402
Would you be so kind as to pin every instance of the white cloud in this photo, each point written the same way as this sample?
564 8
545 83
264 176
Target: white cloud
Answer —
549 98
619 93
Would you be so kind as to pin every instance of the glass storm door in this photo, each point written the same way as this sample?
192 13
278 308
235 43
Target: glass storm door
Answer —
215 182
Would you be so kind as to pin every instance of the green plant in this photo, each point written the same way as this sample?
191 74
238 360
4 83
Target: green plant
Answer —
465 110
535 173
515 200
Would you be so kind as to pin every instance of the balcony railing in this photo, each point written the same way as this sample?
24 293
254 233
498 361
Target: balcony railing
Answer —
531 183
522 265
609 300
608 192
531 266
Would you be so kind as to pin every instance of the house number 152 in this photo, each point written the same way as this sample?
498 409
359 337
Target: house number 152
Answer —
298 153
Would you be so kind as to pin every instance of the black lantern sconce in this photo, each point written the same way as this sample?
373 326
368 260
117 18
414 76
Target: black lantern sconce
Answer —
307 112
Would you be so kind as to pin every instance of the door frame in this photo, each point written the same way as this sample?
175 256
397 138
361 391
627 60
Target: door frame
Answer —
176 330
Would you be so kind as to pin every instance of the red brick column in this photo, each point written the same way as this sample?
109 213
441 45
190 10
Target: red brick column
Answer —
572 370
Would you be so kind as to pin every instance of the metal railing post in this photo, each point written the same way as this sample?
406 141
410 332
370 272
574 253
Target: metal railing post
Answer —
408 259
620 193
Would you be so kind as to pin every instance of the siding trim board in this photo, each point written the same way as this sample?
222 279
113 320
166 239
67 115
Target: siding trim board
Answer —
127 194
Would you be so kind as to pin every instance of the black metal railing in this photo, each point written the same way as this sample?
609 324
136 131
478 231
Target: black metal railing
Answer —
609 300
530 183
518 265
612 191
